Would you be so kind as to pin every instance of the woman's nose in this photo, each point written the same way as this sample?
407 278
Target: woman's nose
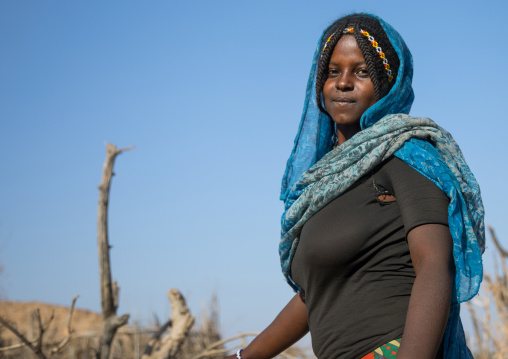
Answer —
344 82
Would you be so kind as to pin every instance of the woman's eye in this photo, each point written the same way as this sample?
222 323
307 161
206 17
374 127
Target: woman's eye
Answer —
363 73
332 72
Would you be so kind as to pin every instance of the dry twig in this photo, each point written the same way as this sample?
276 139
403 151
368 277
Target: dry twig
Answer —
501 250
211 349
69 330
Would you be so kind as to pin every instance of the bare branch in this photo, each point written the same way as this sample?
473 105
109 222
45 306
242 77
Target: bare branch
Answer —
47 322
476 327
71 311
36 345
18 334
120 150
14 346
69 330
157 335
210 351
37 315
501 250
116 294
234 337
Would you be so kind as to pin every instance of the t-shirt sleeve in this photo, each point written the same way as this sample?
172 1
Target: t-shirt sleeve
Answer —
419 199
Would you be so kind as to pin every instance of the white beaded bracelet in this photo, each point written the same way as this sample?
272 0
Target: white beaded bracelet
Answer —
239 354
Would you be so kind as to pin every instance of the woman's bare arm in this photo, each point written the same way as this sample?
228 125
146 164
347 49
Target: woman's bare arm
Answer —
287 328
431 249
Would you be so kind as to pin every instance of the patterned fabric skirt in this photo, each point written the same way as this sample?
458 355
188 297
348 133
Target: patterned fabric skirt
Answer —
385 351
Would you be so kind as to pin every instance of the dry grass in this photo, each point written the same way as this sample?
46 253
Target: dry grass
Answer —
489 311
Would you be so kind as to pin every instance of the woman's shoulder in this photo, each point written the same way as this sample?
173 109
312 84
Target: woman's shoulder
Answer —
401 177
396 166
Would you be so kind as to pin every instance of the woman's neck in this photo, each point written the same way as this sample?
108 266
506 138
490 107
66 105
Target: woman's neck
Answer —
344 133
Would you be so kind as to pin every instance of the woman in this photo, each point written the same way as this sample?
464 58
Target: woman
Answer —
383 230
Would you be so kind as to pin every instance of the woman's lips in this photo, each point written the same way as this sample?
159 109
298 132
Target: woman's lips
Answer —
342 101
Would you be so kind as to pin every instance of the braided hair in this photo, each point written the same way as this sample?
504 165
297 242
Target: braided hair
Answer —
376 65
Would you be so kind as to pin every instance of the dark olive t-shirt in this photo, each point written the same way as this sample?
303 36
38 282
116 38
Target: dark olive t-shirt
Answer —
353 260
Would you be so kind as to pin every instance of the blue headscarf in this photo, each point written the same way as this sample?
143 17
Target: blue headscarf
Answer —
316 174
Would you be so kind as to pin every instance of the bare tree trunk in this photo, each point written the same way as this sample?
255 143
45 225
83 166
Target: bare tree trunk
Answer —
109 289
181 321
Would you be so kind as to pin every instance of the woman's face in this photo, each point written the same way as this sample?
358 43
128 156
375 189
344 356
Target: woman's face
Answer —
348 91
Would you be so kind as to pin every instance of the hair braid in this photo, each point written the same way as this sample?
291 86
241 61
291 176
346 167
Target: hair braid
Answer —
322 72
335 31
365 47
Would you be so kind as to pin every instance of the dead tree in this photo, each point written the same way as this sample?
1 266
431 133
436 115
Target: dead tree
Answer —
109 288
180 322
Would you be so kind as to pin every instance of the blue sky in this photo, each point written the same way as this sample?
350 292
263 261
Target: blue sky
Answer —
210 93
